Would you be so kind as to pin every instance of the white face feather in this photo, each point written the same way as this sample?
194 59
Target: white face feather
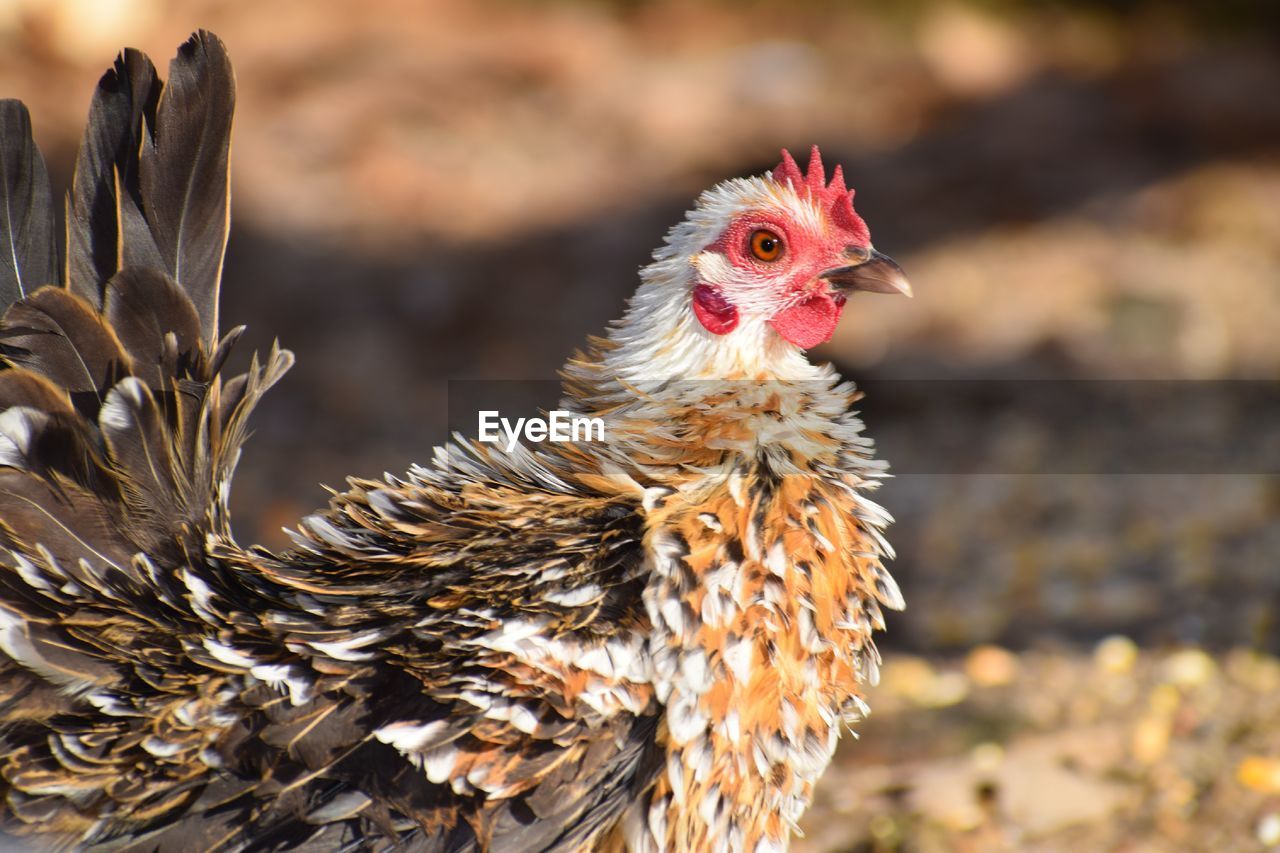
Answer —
659 338
686 245
718 206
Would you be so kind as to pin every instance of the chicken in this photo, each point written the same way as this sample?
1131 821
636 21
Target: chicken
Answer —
645 641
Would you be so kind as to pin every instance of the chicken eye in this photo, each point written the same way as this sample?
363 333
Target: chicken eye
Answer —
766 245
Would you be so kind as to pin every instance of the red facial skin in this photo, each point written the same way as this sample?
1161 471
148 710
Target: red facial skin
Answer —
808 310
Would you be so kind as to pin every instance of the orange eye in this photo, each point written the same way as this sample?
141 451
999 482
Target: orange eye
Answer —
766 245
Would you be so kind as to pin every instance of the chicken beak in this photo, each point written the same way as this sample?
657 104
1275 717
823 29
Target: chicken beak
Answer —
870 271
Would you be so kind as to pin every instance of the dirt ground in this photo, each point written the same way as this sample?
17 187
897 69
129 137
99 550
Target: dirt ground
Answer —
438 190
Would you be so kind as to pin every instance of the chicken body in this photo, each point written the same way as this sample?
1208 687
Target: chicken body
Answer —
645 642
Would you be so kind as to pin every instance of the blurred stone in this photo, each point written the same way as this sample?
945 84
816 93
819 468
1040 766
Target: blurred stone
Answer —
1189 668
1256 671
946 689
1120 691
1030 772
1115 655
1150 740
883 828
987 757
1085 709
944 793
991 666
1260 774
1269 829
948 792
915 680
905 675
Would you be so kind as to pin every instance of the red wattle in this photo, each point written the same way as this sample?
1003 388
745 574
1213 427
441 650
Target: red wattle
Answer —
809 323
713 311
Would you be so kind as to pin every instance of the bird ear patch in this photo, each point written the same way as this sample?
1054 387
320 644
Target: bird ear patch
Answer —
716 314
811 322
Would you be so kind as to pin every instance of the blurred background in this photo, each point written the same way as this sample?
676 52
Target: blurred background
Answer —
437 189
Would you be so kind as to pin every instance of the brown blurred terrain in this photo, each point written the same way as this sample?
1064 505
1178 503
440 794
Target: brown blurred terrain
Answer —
436 190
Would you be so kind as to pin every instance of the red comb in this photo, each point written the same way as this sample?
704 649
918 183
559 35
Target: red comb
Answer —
834 196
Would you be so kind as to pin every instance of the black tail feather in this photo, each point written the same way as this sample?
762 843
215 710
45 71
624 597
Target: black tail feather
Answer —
105 191
185 185
152 180
28 244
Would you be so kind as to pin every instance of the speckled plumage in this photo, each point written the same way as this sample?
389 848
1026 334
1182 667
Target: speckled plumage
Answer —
644 643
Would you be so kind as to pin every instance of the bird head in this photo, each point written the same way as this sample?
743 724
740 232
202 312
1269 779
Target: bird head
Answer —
785 249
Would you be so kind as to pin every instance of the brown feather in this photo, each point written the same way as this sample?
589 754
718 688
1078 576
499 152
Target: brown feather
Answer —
184 172
64 339
144 306
28 247
105 189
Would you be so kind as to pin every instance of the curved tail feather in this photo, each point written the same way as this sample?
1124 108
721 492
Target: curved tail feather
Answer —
114 384
28 246
152 182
